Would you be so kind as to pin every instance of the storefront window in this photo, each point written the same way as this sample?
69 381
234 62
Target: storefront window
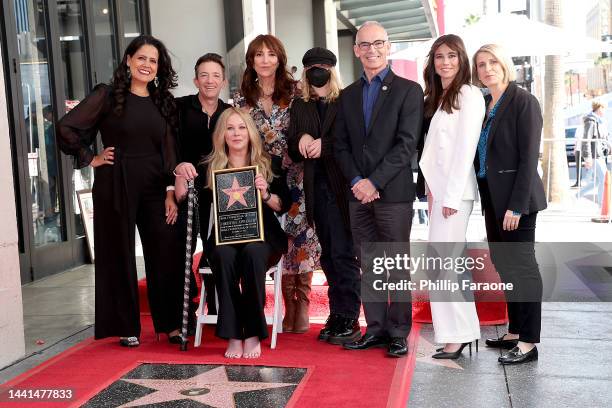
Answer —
131 21
43 165
72 43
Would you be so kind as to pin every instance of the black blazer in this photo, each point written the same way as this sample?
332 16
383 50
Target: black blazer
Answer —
513 149
382 152
273 232
305 119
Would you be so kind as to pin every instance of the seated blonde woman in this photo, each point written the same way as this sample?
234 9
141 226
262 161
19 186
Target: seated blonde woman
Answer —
240 269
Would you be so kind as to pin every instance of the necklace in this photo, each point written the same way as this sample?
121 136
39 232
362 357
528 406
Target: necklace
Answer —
264 94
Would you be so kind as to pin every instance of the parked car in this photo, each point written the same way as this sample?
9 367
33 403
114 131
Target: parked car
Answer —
570 133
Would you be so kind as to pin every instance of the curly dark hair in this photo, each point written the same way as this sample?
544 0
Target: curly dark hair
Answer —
434 94
161 96
284 83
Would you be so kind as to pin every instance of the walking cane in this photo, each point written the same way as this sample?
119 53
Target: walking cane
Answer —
186 300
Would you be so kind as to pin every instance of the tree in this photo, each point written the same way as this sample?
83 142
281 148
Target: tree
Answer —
554 159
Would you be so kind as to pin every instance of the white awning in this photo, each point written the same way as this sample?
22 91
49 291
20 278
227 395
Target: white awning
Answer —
518 35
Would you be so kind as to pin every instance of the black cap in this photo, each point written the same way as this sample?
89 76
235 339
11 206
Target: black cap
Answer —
319 55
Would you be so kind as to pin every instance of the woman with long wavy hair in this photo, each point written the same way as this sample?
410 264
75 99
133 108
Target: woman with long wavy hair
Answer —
240 269
135 116
267 93
456 110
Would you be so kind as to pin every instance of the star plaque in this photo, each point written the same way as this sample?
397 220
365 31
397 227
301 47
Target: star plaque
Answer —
195 385
237 206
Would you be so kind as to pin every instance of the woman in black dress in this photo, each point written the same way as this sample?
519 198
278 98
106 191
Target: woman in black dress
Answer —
135 117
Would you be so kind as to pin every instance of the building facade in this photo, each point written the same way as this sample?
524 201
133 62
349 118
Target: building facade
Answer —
54 52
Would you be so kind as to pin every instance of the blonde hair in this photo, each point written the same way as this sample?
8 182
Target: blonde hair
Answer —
498 53
218 158
335 86
596 105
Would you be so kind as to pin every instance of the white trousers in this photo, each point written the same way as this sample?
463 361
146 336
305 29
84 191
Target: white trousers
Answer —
454 322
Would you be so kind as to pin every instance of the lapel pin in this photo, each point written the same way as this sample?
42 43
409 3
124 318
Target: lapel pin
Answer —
385 87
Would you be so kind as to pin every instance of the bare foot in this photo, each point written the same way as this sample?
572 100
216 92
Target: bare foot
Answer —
234 348
252 347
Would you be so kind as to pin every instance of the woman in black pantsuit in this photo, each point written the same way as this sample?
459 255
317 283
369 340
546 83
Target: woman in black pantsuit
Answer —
135 117
512 193
240 269
311 139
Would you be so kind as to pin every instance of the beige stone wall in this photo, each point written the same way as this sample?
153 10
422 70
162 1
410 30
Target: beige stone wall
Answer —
12 346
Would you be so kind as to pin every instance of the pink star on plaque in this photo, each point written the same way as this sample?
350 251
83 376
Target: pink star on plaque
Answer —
212 388
236 193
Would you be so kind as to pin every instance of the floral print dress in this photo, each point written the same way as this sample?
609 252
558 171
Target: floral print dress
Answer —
304 248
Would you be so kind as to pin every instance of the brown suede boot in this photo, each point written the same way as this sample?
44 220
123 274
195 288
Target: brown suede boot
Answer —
288 289
303 283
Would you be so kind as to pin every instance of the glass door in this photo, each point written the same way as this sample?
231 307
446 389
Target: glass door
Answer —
76 81
37 108
55 52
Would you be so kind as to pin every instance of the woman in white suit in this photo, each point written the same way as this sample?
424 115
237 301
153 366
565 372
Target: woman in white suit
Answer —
456 110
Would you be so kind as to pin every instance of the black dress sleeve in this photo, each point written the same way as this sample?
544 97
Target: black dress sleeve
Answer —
169 152
279 186
77 130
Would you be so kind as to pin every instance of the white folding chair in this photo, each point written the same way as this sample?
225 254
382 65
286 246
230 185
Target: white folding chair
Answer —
275 319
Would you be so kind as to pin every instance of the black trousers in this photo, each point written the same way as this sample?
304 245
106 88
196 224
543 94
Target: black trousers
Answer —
337 253
240 275
379 222
141 203
513 255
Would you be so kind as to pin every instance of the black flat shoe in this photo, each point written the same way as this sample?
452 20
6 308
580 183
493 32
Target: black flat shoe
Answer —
397 347
445 355
129 341
367 341
501 343
516 356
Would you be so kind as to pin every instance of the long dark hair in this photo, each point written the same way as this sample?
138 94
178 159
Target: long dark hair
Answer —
283 80
161 96
434 94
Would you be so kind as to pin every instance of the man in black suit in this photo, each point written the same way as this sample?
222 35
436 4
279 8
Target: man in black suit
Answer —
377 127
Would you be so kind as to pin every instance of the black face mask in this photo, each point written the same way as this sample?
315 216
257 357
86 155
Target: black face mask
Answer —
317 76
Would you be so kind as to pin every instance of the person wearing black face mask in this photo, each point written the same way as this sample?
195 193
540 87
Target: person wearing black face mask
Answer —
310 140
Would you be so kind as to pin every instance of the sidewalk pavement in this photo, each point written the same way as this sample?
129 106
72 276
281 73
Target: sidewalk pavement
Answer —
574 359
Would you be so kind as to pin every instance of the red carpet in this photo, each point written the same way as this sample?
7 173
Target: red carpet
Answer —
335 377
490 306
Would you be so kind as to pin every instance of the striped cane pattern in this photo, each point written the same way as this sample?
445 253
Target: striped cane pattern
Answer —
188 260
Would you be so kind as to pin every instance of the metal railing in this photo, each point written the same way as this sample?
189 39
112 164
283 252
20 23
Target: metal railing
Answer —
593 180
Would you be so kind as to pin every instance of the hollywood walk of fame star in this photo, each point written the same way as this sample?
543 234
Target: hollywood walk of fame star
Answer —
212 388
424 352
236 193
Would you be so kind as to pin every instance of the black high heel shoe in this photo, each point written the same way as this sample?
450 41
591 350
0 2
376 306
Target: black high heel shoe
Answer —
441 354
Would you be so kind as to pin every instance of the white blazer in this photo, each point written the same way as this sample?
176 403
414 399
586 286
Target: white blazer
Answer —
447 161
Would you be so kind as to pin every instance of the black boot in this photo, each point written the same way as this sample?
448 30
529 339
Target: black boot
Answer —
330 326
346 331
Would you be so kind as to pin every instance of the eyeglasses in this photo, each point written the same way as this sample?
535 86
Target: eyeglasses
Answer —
365 46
